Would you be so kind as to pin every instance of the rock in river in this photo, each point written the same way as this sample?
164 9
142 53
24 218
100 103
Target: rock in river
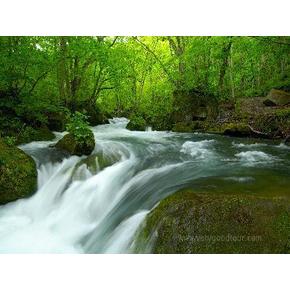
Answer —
76 147
18 175
187 222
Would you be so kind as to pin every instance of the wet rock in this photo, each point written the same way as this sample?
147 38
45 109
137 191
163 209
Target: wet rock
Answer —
287 140
18 175
277 98
98 161
137 123
237 130
76 147
187 127
212 223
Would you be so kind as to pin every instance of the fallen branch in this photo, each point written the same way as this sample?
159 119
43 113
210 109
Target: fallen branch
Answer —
259 133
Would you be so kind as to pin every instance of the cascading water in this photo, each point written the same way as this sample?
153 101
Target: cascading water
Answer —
79 210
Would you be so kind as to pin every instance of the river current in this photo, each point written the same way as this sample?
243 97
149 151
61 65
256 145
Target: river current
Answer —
76 210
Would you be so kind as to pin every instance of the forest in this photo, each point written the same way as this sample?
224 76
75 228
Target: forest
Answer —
153 81
144 144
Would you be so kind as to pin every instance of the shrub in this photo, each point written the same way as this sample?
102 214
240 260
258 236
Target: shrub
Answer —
78 126
10 140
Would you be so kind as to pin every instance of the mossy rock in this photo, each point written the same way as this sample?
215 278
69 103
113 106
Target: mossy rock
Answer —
277 98
97 162
136 123
73 146
18 175
210 223
187 127
237 130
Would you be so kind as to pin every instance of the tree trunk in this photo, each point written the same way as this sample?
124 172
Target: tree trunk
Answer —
231 74
62 71
225 62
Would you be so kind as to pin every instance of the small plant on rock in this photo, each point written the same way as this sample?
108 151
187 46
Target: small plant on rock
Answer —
78 126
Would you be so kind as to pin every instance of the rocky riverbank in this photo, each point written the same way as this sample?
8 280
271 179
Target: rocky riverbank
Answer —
261 117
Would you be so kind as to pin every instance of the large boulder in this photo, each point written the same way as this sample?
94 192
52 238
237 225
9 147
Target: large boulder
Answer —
213 223
76 147
277 98
18 175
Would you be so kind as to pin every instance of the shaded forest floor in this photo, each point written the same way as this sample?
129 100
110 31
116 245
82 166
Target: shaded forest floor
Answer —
247 117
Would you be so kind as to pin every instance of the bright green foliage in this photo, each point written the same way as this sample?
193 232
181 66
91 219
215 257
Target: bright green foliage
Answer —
9 140
146 77
79 127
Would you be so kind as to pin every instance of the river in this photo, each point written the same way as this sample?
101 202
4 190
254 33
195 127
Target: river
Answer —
76 210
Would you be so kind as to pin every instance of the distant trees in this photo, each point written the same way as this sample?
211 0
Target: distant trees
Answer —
135 75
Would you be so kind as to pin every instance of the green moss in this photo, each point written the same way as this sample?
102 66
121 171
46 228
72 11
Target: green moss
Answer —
187 127
182 127
18 175
98 161
74 147
136 123
237 130
210 223
30 134
283 113
277 98
234 129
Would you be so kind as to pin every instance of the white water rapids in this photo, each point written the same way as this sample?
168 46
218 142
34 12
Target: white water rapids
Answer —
76 210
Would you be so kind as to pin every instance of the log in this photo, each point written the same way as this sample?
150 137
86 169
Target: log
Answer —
259 133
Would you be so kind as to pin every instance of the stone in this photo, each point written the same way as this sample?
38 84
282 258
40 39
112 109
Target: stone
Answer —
277 98
18 174
237 130
186 222
70 144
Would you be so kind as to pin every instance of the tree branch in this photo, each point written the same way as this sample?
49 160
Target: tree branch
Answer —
258 133
36 81
146 47
114 41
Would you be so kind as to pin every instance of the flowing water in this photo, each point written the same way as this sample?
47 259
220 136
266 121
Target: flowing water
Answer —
76 210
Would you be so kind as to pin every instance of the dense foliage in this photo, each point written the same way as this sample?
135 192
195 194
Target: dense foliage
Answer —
146 79
79 127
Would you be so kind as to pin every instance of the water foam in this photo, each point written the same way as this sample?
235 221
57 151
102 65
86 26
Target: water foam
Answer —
252 158
198 149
